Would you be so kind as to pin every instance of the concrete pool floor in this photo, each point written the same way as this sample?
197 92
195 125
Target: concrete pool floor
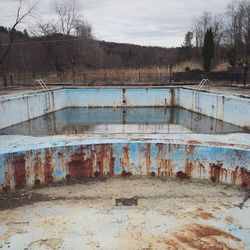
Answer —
170 215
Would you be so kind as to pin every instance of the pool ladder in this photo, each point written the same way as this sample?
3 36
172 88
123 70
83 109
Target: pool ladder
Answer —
197 93
47 95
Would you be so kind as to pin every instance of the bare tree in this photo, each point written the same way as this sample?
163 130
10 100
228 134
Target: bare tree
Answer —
68 13
201 25
238 28
205 22
45 29
219 33
20 16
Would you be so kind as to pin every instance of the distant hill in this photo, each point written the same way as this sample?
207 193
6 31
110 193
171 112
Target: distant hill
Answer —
58 52
130 55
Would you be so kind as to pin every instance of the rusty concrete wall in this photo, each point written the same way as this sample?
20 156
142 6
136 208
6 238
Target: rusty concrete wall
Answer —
137 158
229 108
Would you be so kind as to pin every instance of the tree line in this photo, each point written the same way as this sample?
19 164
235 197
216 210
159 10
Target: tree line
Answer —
68 42
227 35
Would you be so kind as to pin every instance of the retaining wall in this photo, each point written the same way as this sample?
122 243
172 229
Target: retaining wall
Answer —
122 158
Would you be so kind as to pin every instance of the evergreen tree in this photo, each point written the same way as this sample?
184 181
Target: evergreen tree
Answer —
208 50
188 39
185 51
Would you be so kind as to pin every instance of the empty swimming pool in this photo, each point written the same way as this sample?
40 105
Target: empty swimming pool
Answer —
85 148
163 131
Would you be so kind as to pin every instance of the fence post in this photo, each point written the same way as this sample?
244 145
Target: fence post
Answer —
84 78
4 81
73 70
11 80
170 73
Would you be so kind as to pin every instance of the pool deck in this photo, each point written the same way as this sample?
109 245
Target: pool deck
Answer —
16 143
215 89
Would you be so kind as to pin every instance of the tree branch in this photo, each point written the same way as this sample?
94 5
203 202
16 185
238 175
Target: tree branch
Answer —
19 18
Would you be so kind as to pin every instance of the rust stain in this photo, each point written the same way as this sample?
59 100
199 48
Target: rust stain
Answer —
173 97
112 162
202 237
229 219
105 161
6 187
217 172
148 160
234 175
194 142
189 169
168 167
38 165
160 160
241 176
220 144
19 172
164 166
201 169
79 166
100 153
205 216
125 161
245 177
48 166
190 149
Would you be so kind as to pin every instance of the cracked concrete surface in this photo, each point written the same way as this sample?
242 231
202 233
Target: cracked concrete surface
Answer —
170 215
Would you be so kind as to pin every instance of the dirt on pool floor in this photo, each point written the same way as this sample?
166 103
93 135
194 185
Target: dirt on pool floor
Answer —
166 215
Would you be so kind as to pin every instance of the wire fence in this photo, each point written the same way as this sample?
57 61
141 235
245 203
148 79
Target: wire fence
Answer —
90 78
120 77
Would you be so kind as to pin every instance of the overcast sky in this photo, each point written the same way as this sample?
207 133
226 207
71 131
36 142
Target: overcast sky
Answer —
144 22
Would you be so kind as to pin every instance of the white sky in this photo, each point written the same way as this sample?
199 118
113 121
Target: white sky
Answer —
144 22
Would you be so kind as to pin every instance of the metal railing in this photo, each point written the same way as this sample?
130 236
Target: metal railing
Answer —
47 91
197 93
42 84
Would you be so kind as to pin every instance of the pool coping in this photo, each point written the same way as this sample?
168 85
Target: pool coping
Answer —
19 143
23 94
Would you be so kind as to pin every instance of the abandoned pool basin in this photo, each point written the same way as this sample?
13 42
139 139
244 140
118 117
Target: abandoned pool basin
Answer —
28 161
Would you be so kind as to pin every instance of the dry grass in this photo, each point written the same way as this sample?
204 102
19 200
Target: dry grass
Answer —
150 75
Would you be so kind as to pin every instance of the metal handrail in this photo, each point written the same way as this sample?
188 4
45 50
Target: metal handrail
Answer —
47 91
201 84
42 84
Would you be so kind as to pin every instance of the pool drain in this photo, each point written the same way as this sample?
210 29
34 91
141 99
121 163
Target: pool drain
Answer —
126 201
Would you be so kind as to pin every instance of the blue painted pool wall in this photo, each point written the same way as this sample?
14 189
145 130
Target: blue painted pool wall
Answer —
115 97
229 108
18 108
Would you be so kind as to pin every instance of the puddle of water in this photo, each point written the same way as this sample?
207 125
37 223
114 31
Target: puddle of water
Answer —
121 120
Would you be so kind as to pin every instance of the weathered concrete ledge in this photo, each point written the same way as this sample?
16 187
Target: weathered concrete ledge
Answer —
26 161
